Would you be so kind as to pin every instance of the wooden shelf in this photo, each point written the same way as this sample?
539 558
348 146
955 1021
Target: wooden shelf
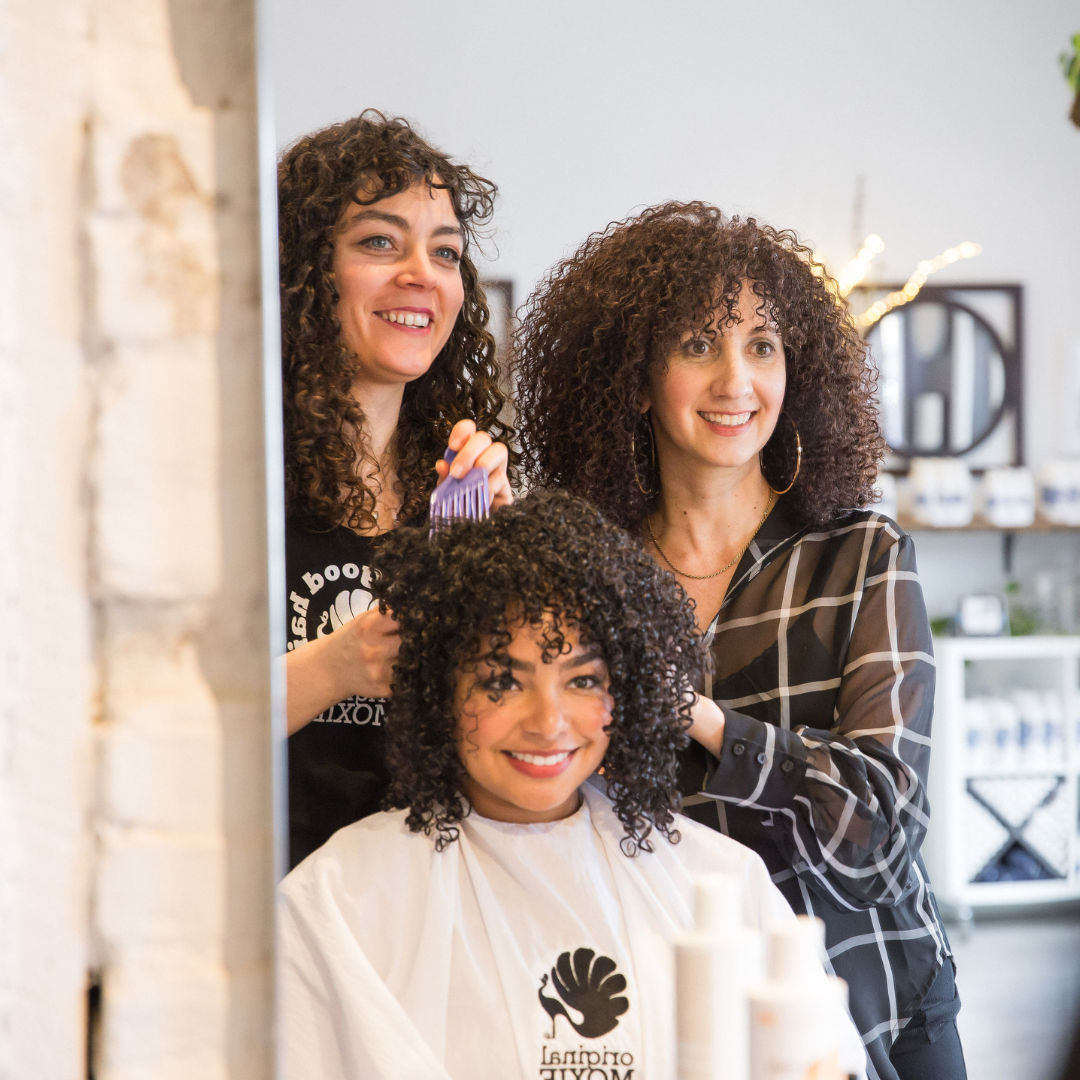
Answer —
909 524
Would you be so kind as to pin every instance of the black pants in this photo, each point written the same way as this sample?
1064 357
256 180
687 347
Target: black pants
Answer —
929 1047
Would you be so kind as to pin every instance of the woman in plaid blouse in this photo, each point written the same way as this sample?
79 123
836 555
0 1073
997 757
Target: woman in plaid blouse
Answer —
698 380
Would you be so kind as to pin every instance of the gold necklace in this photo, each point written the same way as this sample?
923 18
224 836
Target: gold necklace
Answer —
705 577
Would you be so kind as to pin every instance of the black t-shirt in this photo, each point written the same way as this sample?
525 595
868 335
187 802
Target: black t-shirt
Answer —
337 763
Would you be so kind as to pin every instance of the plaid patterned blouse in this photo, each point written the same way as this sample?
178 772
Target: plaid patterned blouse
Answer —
824 668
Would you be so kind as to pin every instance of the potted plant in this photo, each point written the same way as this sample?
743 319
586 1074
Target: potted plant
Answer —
1070 65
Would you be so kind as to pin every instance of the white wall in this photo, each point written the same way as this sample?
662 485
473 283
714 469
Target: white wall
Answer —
46 627
135 843
582 110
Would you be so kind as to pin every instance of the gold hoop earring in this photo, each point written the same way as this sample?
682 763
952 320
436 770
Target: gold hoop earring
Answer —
798 460
652 457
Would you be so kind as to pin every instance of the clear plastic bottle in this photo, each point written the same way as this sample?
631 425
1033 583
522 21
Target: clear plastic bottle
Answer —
976 735
1004 732
1053 731
1029 744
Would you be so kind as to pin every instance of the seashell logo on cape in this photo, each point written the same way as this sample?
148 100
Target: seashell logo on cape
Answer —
591 986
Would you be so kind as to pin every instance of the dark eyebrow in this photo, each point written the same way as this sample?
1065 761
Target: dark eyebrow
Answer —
583 658
378 215
400 222
514 664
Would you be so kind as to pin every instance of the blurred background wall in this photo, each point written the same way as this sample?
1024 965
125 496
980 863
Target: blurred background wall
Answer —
135 876
926 123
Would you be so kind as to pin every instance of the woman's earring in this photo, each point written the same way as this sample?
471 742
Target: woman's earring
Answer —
798 460
652 457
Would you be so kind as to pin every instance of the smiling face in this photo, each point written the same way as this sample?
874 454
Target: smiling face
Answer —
717 399
397 270
531 734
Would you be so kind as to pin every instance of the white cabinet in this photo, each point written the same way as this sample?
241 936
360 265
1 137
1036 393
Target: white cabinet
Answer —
1003 772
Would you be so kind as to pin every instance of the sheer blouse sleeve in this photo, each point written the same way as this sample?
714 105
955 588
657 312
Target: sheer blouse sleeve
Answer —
845 800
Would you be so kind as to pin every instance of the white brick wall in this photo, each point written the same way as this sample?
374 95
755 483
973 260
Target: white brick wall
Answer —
134 802
46 665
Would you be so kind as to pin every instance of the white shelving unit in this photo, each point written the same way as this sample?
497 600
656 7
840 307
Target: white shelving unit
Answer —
979 809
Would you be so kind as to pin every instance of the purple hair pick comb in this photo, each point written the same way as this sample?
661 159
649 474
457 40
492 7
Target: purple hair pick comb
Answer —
465 498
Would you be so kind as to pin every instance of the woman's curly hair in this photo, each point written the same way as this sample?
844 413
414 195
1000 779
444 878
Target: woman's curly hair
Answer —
601 319
326 459
549 561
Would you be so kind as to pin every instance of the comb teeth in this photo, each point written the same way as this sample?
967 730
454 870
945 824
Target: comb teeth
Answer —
454 499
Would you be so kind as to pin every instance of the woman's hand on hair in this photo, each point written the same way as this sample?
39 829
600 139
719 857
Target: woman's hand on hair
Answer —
356 659
477 448
708 724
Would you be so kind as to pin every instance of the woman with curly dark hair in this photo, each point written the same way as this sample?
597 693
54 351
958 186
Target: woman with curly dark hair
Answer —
553 566
697 378
449 937
387 358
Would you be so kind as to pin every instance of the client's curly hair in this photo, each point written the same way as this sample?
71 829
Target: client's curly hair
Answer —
325 456
601 319
458 599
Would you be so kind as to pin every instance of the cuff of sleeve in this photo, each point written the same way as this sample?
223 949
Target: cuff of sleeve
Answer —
760 764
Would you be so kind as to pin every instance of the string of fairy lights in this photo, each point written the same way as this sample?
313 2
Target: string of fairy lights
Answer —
859 267
855 272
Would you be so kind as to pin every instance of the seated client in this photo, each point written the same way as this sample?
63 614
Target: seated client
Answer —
514 914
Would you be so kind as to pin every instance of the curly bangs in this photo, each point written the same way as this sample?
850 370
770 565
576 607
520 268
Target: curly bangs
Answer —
600 319
547 557
364 160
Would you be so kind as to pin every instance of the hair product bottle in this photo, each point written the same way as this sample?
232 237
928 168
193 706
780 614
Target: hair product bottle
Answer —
715 964
794 1018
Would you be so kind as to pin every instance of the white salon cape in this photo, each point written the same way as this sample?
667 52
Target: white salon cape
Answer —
398 962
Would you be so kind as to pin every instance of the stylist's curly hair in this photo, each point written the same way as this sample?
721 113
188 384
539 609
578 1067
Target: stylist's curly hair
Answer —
326 459
457 599
601 319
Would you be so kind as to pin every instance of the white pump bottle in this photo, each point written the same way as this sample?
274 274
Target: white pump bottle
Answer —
715 964
796 1013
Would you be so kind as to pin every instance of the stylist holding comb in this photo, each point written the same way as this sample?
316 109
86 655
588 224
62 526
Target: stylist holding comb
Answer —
387 358
696 378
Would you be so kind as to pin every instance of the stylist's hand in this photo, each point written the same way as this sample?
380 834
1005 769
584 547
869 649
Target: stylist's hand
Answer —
356 659
708 724
478 448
